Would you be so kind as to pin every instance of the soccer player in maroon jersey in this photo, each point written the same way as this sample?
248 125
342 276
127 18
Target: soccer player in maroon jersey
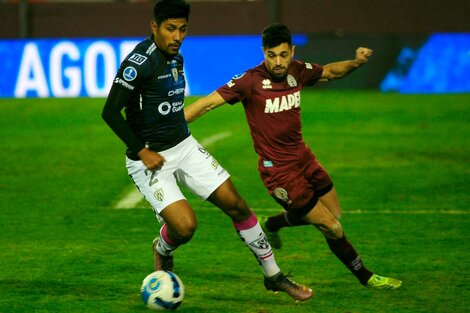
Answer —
270 94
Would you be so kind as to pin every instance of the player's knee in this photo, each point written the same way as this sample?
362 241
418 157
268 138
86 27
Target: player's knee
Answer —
335 230
239 210
185 232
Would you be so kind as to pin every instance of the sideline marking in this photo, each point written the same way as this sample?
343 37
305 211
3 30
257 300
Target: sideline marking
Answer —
131 199
390 212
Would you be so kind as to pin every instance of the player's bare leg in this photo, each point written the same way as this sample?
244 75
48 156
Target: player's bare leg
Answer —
323 219
246 224
180 225
331 202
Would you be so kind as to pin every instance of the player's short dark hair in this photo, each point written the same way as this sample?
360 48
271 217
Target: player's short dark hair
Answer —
165 9
276 34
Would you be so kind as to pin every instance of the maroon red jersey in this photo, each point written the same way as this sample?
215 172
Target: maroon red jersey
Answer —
272 109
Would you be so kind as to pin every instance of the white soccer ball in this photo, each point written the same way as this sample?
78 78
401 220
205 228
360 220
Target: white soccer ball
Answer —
162 290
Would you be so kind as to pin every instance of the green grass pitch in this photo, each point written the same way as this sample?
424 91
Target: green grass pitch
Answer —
400 163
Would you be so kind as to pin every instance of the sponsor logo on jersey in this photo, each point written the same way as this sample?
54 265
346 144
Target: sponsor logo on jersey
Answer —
308 66
129 73
231 83
238 76
163 76
138 59
283 103
123 83
266 84
177 106
268 163
175 92
203 151
291 81
166 107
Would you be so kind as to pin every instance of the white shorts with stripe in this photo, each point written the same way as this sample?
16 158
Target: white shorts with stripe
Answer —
188 164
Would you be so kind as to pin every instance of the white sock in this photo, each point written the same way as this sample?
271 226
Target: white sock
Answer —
253 236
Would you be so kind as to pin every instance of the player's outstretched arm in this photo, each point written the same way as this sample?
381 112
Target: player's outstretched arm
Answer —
203 105
340 69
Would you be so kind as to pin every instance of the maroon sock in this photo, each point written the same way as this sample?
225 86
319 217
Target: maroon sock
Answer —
286 219
344 251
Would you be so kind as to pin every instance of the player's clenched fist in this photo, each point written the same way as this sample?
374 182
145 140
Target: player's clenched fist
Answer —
363 54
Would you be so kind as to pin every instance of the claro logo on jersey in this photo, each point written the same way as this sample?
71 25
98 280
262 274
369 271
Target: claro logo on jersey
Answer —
283 103
166 107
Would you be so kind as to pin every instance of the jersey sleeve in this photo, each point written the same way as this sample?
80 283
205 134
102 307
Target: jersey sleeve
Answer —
310 73
131 73
237 89
112 115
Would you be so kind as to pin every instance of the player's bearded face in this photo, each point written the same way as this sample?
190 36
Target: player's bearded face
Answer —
169 35
278 59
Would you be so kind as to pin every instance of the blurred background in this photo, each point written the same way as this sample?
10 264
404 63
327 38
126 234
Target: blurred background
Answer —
73 48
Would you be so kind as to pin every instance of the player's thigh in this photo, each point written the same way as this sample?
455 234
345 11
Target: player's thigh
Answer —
227 198
158 187
326 222
199 171
331 202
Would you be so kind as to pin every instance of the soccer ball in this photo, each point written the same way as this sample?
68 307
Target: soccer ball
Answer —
162 290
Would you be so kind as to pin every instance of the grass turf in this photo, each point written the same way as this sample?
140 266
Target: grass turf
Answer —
400 164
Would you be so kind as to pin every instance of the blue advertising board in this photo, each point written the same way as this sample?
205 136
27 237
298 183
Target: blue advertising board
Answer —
86 67
440 65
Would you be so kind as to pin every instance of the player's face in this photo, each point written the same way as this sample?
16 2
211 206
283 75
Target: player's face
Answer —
278 59
169 35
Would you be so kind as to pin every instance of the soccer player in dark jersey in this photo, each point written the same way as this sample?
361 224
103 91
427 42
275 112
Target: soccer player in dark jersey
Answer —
270 94
161 152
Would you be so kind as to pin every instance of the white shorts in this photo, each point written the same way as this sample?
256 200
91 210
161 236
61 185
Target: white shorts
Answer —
188 164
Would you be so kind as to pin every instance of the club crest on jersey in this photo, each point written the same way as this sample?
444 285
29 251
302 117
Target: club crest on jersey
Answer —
158 194
291 81
214 164
281 194
266 84
174 71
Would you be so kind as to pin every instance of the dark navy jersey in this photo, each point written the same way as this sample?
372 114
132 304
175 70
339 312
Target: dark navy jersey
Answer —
152 85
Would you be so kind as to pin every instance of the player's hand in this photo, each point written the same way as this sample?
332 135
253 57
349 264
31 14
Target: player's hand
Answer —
152 160
362 55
